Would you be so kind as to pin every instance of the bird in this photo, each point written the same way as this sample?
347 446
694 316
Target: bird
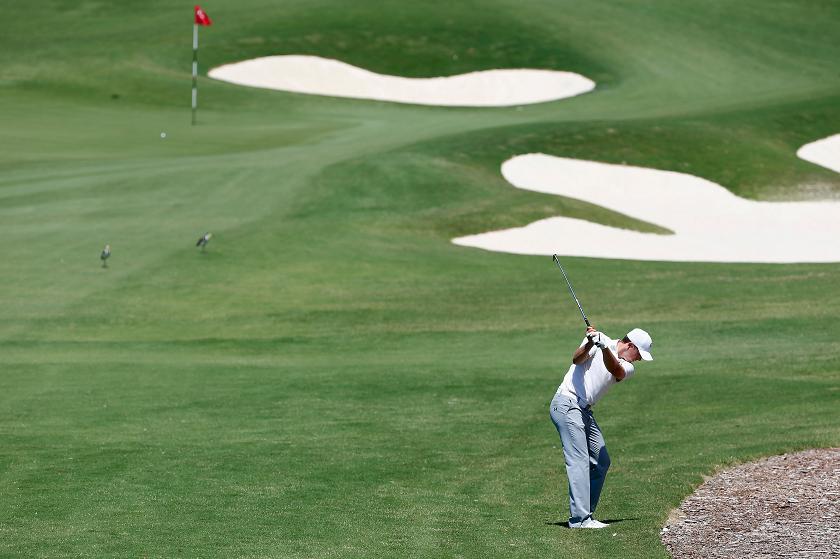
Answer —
106 252
203 240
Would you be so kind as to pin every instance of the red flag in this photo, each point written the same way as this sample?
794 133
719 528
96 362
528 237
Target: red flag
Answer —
201 17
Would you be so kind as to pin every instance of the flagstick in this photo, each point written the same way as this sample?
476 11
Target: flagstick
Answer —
195 73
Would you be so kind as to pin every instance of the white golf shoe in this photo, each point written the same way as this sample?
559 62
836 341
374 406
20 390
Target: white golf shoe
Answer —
589 523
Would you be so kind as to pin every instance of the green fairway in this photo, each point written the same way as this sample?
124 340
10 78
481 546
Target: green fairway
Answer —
332 377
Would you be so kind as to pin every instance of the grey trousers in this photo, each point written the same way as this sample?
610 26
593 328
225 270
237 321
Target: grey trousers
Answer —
586 456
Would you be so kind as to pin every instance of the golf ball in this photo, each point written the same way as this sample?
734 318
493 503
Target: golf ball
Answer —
163 134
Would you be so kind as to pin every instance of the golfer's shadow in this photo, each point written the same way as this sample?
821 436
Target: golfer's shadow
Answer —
606 521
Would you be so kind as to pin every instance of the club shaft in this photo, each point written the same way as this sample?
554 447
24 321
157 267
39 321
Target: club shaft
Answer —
571 289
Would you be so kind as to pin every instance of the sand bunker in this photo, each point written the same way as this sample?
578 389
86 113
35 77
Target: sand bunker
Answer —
321 76
710 224
825 152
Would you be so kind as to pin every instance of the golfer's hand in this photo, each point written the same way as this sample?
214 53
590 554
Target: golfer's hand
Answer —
596 338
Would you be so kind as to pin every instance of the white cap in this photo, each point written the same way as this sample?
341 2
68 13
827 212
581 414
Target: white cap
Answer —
642 341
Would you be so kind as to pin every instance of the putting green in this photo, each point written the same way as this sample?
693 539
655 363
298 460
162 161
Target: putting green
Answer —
332 377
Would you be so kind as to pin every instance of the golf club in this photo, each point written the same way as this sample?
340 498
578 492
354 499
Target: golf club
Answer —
583 314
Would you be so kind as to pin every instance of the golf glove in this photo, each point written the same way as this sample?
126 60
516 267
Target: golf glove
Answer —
598 339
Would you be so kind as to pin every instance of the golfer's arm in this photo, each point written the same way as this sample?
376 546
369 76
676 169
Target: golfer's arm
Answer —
582 353
612 365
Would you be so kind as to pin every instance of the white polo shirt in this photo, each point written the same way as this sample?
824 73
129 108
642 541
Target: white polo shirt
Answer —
589 381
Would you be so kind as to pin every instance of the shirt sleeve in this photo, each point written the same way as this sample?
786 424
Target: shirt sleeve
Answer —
628 367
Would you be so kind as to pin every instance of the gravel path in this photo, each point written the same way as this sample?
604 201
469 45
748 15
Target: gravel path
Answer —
782 506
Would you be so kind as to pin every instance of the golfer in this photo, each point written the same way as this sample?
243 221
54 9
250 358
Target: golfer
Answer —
597 365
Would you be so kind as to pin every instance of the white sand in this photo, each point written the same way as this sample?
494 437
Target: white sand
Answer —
321 76
825 152
710 223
